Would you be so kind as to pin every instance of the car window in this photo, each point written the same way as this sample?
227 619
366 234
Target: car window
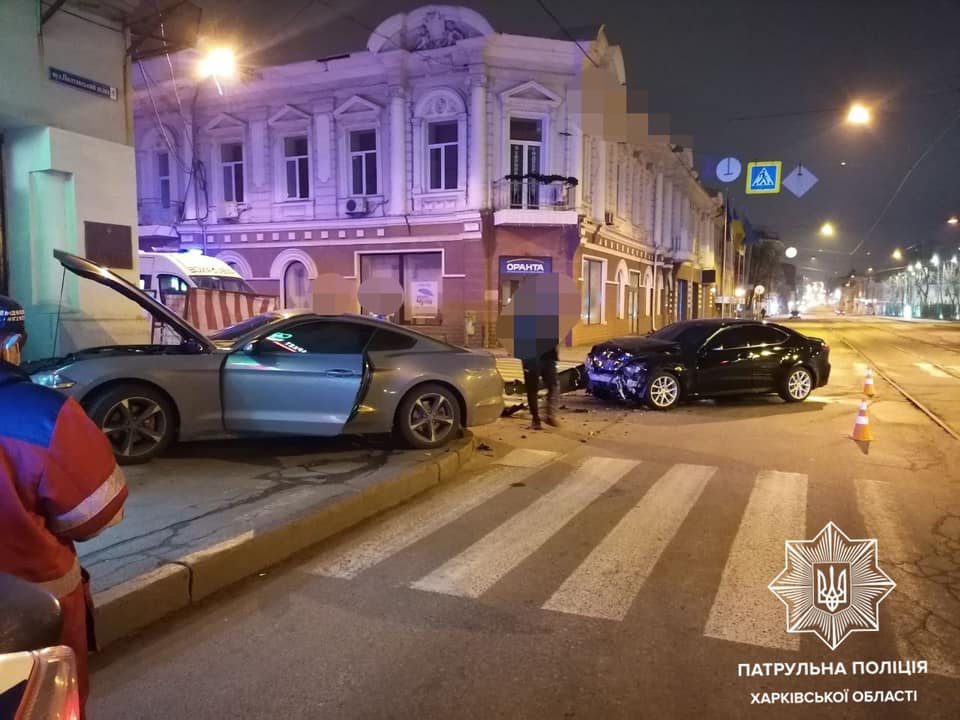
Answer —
766 335
217 282
171 286
238 330
206 282
145 282
326 337
235 285
730 338
693 337
384 340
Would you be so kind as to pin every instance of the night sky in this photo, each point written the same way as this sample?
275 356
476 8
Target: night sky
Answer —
754 79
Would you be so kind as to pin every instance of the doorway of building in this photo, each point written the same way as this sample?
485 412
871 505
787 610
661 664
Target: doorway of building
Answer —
633 302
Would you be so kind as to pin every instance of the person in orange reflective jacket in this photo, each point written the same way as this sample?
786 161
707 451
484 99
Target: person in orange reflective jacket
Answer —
59 483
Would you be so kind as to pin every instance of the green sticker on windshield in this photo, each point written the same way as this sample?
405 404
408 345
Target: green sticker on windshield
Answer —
280 336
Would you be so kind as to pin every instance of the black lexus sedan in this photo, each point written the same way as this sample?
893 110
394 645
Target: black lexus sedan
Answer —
708 359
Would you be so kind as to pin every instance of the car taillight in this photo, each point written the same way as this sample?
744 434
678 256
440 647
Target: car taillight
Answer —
52 692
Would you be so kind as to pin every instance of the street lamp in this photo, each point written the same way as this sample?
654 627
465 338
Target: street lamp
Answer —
827 230
859 114
954 220
897 255
791 252
220 62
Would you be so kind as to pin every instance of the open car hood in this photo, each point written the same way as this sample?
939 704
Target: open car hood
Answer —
160 312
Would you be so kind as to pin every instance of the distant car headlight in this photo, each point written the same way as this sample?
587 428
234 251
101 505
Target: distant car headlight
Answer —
53 379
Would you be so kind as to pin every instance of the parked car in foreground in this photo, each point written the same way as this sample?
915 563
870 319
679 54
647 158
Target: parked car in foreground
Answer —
38 677
280 373
707 359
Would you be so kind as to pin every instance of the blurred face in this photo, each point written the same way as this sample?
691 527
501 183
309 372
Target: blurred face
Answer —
10 348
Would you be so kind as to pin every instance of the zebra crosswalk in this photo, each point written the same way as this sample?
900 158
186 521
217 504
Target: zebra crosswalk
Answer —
608 579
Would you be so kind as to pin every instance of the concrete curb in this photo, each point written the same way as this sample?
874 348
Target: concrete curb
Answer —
131 606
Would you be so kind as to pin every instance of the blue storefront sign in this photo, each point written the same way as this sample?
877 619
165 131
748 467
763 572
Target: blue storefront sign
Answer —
525 265
82 83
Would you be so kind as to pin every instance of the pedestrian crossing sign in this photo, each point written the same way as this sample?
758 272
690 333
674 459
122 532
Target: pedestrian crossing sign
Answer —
763 178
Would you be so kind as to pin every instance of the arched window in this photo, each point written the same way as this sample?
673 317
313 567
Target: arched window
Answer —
296 286
440 128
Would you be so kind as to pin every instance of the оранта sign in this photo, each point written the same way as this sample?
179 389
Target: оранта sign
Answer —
525 265
82 83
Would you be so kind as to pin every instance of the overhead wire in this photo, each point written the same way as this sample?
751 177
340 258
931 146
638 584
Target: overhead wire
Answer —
566 32
936 141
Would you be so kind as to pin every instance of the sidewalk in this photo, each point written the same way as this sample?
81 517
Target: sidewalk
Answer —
208 515
575 353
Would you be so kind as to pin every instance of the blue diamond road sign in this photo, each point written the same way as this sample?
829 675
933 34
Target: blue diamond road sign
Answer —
763 178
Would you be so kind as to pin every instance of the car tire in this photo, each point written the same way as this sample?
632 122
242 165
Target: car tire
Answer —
797 385
415 424
662 391
138 421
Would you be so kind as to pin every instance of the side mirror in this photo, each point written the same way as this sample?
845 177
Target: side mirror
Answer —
250 348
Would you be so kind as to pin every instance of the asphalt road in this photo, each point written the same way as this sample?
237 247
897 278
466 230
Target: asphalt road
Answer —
617 567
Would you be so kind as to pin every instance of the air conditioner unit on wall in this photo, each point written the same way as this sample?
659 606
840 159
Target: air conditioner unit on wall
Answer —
230 211
355 206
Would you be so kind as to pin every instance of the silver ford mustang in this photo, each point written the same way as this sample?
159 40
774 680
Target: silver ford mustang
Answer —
281 373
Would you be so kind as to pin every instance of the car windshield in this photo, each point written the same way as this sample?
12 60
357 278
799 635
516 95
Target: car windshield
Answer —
221 282
233 332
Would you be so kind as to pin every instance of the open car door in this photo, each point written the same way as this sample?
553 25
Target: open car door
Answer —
305 379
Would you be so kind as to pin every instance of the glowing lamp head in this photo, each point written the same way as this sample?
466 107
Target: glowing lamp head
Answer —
219 62
859 114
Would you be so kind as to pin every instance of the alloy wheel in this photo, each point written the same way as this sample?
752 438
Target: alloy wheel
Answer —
664 391
432 417
799 384
135 426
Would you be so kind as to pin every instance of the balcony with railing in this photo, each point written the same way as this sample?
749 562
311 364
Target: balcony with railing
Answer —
534 200
153 212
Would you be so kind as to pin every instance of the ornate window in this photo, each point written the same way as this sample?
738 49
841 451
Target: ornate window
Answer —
439 151
231 169
358 130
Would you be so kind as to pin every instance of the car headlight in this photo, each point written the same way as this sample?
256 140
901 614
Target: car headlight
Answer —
53 379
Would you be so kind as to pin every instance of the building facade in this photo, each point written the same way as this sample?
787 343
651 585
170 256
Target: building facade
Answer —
67 170
447 157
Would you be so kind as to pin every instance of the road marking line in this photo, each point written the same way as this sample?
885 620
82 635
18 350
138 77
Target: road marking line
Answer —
923 612
483 564
606 583
744 610
392 535
931 370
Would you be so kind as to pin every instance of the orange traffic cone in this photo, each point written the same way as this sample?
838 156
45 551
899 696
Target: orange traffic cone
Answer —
861 430
868 384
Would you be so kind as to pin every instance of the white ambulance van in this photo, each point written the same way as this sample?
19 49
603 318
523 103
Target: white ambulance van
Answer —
166 274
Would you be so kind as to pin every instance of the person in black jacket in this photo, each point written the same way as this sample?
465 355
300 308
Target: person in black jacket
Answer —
536 367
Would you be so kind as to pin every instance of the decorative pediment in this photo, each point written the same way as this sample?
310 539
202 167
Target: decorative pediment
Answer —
224 122
428 28
440 103
531 91
356 106
289 114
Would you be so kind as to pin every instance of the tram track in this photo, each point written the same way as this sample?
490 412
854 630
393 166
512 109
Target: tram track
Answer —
878 369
